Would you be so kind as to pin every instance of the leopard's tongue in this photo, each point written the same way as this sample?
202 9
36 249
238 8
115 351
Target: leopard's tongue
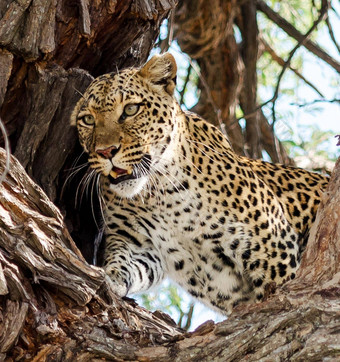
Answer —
116 172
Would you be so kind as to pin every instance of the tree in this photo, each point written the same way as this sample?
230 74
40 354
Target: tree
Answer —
54 305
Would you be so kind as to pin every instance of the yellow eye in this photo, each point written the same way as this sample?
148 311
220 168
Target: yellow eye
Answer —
131 109
88 120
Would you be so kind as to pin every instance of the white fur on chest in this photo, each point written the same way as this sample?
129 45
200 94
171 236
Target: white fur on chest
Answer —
174 237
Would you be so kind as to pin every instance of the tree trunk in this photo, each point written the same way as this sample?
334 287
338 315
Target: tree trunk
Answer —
50 52
204 30
56 306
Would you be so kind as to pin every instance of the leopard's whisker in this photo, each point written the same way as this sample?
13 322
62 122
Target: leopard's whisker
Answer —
102 203
80 187
72 171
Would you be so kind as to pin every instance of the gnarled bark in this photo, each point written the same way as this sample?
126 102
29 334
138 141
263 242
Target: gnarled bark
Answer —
54 304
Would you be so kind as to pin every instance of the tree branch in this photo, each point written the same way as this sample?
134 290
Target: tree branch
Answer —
248 94
335 100
272 144
294 33
186 81
331 34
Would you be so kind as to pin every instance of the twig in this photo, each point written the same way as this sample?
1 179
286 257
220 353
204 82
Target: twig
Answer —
294 33
245 116
171 27
166 43
322 13
8 152
281 62
189 317
331 34
210 98
300 105
335 12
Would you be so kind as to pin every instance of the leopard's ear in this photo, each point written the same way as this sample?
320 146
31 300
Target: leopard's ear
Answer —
161 70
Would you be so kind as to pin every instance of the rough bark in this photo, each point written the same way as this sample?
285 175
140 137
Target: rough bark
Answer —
55 306
50 51
52 303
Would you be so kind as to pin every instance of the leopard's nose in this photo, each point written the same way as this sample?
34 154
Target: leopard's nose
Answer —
108 152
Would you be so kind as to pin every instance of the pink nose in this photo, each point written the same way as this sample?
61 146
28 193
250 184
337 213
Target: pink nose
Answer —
107 152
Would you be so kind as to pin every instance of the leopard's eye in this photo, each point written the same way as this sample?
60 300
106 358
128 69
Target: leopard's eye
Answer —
88 120
131 109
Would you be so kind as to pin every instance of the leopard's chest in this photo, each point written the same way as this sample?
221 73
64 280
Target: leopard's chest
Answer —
183 226
174 216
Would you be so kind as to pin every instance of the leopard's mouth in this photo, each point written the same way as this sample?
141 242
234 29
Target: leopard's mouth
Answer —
118 175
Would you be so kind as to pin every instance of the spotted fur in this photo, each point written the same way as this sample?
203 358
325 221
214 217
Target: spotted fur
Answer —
179 202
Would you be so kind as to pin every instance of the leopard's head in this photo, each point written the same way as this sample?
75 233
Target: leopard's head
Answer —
126 122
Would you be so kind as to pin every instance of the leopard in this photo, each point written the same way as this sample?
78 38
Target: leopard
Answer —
179 203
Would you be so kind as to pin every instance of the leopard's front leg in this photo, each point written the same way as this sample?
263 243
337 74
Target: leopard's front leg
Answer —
132 262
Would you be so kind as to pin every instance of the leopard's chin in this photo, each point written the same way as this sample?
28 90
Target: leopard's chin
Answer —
129 183
128 187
